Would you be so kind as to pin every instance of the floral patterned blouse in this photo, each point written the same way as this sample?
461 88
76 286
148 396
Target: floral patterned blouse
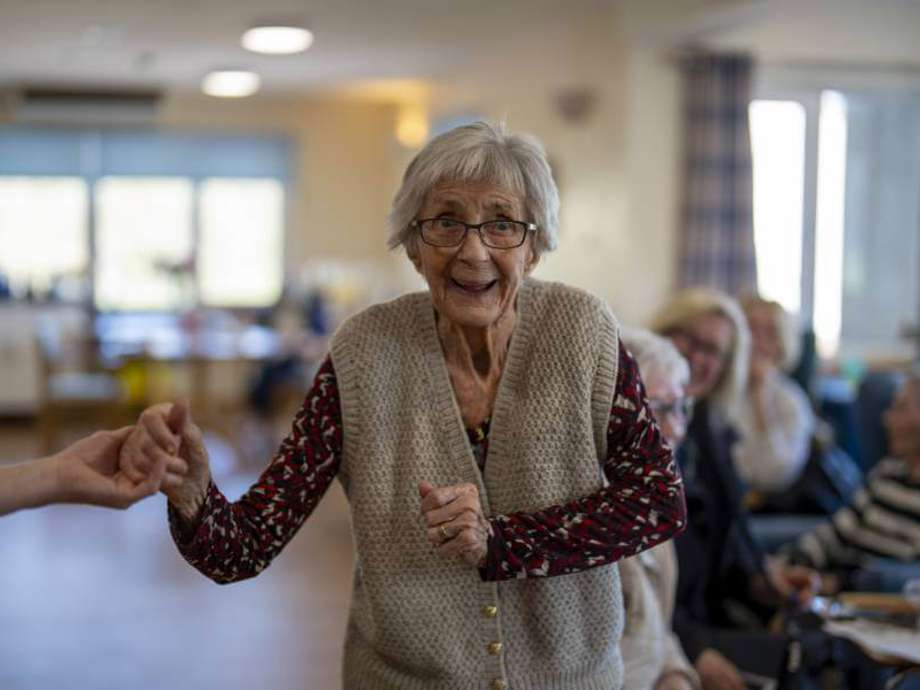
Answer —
642 505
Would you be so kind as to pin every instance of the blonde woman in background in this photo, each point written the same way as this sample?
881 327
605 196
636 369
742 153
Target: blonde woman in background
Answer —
719 559
652 655
775 421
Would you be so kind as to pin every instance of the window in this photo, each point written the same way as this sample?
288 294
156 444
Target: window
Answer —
148 220
778 150
241 247
144 247
44 231
838 232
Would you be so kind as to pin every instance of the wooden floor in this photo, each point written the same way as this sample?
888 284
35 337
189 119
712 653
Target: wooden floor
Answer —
92 599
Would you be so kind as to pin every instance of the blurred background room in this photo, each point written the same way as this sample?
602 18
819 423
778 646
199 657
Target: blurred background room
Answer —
189 209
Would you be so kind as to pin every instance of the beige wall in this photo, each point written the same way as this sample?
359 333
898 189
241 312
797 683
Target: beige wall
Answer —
345 170
616 167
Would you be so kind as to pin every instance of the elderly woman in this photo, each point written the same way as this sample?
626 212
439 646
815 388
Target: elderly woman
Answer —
775 420
492 437
652 655
717 556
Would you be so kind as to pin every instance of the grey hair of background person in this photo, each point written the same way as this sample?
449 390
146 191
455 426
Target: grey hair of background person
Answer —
692 303
479 152
656 356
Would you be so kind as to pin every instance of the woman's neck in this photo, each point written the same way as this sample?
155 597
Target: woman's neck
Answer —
479 349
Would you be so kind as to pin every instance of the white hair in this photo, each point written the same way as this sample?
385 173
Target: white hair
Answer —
656 356
691 303
480 152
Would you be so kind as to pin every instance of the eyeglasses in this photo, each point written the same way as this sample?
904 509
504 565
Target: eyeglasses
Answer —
450 232
698 344
670 408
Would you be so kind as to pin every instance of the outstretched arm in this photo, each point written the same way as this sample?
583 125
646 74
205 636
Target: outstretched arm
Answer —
84 472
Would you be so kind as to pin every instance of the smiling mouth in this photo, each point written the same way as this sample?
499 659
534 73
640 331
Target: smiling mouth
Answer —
473 287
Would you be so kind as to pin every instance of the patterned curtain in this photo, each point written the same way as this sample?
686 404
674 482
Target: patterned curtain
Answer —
717 227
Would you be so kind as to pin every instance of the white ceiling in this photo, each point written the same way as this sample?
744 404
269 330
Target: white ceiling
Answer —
874 32
173 43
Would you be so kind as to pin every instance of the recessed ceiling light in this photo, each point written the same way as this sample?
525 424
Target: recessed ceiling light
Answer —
277 40
230 83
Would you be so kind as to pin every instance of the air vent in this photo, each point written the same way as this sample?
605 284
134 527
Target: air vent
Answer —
90 106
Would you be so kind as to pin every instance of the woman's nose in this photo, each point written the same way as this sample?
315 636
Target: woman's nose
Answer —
472 248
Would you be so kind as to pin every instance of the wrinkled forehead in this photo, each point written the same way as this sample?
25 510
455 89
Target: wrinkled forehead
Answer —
465 195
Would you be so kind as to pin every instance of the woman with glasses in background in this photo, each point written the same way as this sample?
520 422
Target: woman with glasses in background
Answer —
652 655
719 560
491 434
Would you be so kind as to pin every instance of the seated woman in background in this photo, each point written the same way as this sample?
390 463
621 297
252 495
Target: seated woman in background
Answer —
719 560
884 518
775 419
652 655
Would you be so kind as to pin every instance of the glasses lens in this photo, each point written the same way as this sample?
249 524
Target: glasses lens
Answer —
443 232
503 234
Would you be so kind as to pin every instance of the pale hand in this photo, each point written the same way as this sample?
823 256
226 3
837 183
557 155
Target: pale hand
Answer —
88 472
717 672
674 681
456 524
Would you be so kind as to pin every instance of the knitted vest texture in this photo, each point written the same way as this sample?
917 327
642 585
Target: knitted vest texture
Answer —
417 620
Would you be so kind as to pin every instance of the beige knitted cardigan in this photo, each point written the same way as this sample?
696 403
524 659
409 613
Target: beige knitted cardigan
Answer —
417 620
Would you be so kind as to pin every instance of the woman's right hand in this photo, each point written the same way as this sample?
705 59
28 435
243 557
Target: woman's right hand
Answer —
717 672
168 427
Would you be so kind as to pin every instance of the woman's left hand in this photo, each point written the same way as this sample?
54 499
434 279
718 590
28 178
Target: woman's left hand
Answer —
674 680
456 524
792 580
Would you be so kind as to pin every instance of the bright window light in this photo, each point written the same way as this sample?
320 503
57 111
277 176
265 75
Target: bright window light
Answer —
144 244
778 150
277 40
240 260
43 230
832 162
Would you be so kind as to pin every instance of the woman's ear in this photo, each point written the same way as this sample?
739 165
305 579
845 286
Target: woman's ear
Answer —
413 254
533 258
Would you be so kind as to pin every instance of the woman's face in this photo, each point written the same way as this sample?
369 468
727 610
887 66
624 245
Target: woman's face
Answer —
705 342
471 284
902 422
670 405
765 337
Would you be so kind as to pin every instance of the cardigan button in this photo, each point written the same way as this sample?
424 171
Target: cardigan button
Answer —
490 611
499 684
495 648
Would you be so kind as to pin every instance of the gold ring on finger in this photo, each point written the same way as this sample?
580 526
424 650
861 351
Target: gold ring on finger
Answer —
442 530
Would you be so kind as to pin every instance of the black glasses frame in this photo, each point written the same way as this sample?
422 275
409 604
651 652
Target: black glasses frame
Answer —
528 227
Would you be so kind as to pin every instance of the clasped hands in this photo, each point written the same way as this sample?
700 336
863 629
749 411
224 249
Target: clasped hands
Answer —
165 436
456 525
115 469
